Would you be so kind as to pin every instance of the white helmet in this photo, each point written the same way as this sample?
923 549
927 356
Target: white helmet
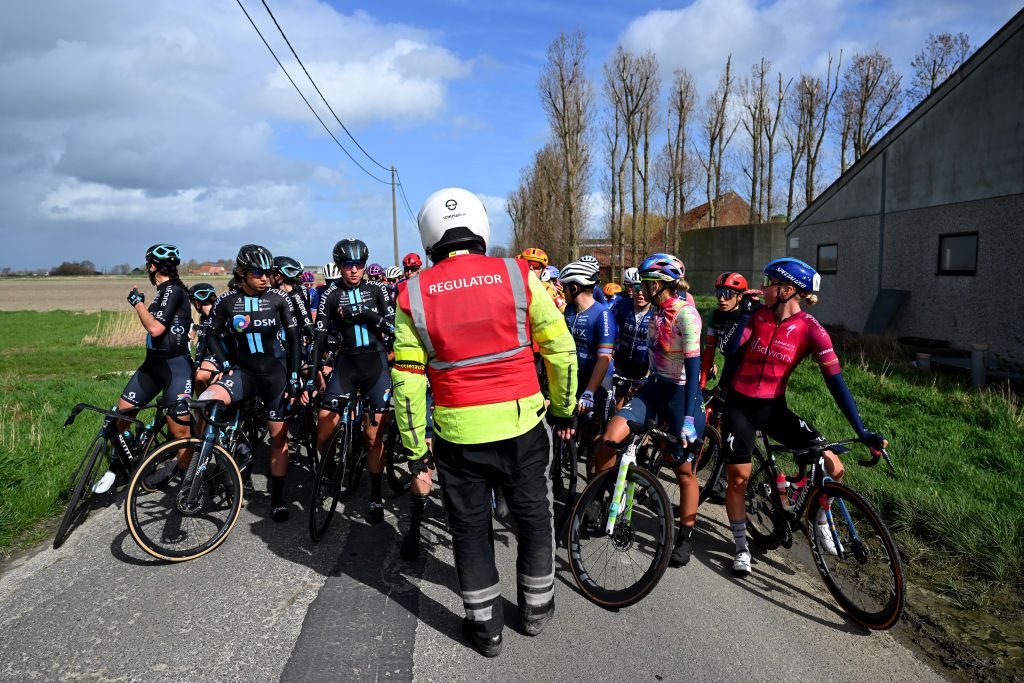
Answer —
330 271
631 276
589 260
579 273
393 273
453 215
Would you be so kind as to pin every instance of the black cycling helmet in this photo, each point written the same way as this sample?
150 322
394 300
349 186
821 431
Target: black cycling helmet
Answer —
350 249
163 255
254 257
288 267
202 292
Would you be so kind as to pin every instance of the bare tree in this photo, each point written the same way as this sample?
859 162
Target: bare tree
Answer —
772 118
754 98
941 55
682 100
718 131
794 136
872 98
664 185
567 96
647 74
815 99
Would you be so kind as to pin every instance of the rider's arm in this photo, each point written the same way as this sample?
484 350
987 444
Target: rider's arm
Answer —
605 342
739 334
323 322
688 325
156 322
557 348
707 357
825 355
290 323
409 384
218 324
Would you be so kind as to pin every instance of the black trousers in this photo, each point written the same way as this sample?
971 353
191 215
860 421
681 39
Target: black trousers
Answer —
520 467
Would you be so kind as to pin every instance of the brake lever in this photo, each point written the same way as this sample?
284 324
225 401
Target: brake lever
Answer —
873 460
889 462
73 414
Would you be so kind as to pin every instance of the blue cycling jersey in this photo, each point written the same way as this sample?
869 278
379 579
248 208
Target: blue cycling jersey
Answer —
631 348
594 332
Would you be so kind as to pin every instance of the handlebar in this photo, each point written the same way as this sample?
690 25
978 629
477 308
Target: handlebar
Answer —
76 411
806 456
204 405
648 428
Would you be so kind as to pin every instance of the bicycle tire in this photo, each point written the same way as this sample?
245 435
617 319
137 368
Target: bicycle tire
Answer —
709 462
564 473
763 507
881 602
398 479
326 488
222 491
83 477
661 527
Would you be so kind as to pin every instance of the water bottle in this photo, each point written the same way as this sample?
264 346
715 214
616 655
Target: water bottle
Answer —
795 489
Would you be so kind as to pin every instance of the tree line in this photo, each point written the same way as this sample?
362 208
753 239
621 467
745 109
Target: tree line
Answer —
656 152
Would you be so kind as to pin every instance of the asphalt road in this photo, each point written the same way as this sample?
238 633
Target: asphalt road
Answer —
271 605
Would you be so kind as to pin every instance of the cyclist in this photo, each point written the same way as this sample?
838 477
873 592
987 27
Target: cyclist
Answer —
734 299
672 392
593 329
771 342
536 259
331 274
203 296
612 292
285 276
253 314
549 278
632 317
375 272
359 311
466 324
411 264
167 368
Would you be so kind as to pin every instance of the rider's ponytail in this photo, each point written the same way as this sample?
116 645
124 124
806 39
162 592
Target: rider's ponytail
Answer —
811 299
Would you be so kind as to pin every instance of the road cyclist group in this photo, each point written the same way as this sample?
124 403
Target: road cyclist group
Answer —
512 381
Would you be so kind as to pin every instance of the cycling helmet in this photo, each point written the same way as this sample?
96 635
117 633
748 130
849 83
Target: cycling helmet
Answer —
254 257
536 255
794 271
731 281
351 249
307 276
393 273
330 271
375 270
589 260
579 273
611 289
451 217
163 255
288 267
412 261
550 273
663 267
202 292
631 276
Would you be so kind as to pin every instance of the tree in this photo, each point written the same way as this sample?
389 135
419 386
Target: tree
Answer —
872 98
718 131
74 268
814 98
567 96
754 98
941 55
682 100
772 120
794 136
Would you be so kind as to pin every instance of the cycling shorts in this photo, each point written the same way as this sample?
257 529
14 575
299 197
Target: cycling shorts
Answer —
630 369
172 376
366 372
268 382
743 416
665 403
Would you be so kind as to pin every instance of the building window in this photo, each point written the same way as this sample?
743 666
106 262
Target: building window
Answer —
958 253
828 258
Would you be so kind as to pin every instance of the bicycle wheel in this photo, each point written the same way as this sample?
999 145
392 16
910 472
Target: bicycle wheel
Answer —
564 472
618 570
763 507
709 462
327 483
863 571
88 472
185 517
398 477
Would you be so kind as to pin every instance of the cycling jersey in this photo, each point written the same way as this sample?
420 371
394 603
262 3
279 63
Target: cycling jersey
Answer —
716 336
631 348
367 332
253 322
673 336
772 350
594 332
172 309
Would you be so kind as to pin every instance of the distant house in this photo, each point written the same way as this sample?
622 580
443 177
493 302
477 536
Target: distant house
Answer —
922 236
208 269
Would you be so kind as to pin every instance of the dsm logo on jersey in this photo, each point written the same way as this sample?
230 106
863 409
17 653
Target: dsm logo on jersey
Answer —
240 322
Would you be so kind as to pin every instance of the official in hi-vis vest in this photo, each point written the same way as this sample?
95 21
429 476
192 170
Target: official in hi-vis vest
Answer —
469 323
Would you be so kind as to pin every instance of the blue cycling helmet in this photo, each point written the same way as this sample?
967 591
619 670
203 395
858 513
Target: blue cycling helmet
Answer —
795 272
663 267
550 273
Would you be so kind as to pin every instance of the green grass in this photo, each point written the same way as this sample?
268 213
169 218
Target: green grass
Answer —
44 371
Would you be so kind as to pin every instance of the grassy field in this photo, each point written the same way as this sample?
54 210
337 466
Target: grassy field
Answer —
92 293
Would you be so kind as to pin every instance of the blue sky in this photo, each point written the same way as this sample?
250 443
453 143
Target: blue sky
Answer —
124 124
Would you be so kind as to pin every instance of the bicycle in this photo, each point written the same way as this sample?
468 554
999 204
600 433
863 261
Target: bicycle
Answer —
564 474
859 560
340 465
623 512
192 512
98 457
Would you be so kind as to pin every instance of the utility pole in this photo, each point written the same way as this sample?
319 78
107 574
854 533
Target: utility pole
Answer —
394 214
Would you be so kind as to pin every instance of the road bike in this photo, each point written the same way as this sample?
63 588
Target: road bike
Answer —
102 453
185 496
621 528
852 548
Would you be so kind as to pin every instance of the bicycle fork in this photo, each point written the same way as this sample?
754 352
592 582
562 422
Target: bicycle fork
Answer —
622 495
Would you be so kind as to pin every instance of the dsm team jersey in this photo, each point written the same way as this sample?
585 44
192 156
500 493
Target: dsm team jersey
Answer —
253 324
172 309
594 332
360 336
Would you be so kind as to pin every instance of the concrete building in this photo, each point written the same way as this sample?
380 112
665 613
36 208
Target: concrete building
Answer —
924 235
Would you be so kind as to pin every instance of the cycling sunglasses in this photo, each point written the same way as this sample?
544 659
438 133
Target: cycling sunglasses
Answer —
290 272
353 264
725 293
204 294
769 282
635 288
259 272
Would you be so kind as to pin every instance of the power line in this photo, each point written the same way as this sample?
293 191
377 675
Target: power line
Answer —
294 85
315 87
405 199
